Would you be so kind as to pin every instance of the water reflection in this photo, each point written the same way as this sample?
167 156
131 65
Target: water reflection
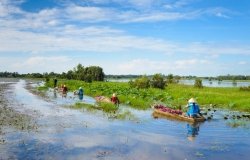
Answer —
192 131
64 133
80 97
205 82
55 94
64 95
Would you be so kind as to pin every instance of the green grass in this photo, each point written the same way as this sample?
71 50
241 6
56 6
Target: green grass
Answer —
42 88
174 95
107 107
83 105
112 111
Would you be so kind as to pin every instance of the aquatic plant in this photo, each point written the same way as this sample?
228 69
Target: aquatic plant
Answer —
107 107
174 95
42 88
237 123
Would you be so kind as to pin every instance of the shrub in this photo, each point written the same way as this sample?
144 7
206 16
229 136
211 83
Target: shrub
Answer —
107 107
158 81
245 88
170 78
198 83
142 82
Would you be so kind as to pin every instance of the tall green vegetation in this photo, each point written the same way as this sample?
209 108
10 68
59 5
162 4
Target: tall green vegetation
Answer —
174 95
245 88
198 83
158 81
170 78
140 83
88 74
144 82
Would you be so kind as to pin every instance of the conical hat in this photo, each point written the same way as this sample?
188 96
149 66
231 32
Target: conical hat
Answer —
192 100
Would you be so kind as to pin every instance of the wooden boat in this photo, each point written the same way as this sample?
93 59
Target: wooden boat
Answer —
181 117
103 99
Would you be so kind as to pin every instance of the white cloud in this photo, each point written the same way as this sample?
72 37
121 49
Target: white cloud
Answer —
218 12
42 64
242 63
76 27
143 66
8 7
91 14
105 39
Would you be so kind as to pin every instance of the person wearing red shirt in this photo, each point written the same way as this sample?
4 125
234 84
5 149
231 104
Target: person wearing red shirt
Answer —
115 99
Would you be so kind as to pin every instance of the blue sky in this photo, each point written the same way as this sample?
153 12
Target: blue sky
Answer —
182 37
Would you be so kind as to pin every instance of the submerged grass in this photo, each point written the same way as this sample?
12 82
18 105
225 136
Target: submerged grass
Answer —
106 107
42 88
238 123
174 95
111 110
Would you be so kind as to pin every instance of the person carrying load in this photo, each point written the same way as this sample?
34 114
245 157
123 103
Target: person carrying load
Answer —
193 108
64 91
114 99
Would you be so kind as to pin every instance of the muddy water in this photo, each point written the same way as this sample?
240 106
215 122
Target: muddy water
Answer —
46 129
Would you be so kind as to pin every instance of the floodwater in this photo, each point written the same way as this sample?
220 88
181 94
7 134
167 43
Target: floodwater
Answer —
205 82
214 83
51 130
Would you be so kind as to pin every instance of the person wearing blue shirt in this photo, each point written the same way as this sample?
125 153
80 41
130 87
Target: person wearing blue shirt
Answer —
193 108
80 93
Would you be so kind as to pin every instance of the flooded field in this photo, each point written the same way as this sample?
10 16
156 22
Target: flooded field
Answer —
205 82
37 125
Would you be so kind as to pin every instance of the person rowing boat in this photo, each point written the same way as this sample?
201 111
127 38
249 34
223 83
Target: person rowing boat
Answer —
193 108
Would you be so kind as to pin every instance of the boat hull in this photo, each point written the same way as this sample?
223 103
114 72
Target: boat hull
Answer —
159 113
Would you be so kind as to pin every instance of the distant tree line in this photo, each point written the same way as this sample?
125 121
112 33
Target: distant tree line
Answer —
234 77
95 73
129 76
88 74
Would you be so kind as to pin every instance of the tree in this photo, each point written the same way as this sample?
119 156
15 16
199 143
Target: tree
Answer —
70 74
94 73
170 78
79 72
198 83
158 81
141 82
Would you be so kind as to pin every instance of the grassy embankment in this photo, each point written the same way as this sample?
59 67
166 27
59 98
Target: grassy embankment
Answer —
174 95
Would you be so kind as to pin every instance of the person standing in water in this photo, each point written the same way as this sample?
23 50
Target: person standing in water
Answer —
64 91
55 82
80 93
115 99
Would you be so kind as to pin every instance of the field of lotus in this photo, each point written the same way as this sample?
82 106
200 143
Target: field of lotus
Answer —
174 95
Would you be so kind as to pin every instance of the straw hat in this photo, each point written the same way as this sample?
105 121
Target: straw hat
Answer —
114 95
192 100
